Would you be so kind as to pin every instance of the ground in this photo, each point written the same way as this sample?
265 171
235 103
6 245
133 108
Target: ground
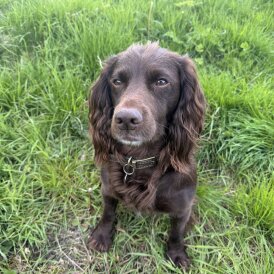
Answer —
51 52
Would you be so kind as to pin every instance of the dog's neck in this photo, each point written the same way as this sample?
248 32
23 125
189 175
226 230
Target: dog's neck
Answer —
136 164
140 152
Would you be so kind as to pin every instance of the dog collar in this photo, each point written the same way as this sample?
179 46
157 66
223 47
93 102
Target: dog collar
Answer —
131 164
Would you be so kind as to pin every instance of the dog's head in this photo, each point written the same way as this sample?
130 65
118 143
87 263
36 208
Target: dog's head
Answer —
143 95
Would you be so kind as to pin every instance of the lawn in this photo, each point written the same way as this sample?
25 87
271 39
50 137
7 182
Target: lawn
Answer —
51 52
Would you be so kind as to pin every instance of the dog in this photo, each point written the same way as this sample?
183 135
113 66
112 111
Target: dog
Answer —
146 113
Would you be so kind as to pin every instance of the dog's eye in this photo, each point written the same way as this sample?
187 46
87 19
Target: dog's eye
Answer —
161 82
117 82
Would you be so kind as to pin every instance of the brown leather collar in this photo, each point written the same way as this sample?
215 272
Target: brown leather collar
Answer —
130 164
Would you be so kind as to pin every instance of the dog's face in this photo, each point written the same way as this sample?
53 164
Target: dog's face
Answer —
143 95
145 90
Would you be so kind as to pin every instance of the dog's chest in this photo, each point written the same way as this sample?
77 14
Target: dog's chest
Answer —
132 189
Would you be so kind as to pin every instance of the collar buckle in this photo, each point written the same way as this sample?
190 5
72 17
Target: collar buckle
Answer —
129 165
128 169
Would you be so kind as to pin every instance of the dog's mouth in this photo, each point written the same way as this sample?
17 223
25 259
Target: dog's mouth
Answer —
131 143
129 139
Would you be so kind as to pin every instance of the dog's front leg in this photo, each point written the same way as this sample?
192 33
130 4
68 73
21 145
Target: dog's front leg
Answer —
101 237
175 244
175 196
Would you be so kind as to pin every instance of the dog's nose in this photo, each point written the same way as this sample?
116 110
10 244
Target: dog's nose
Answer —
128 118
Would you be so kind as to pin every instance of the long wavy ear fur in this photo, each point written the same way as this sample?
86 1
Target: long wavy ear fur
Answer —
100 114
188 118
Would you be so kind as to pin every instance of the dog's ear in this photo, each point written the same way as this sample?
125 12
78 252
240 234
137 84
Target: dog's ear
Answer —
188 118
100 113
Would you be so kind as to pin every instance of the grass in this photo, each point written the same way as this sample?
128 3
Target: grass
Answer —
50 53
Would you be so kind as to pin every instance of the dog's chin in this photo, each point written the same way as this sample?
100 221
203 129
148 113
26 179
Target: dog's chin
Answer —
130 143
133 141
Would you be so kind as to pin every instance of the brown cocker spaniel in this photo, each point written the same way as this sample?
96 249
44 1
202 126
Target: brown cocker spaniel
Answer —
146 114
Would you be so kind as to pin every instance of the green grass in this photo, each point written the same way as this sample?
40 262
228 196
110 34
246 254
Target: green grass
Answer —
50 53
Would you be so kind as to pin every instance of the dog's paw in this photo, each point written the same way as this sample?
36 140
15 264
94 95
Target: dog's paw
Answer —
99 241
179 257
